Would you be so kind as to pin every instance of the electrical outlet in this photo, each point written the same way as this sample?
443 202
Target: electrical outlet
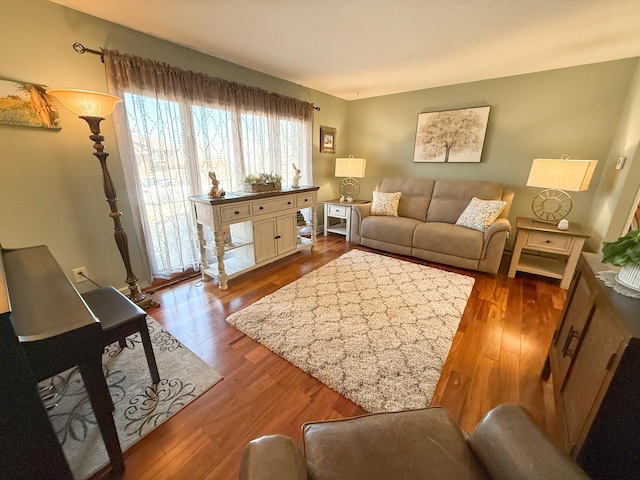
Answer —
620 163
78 274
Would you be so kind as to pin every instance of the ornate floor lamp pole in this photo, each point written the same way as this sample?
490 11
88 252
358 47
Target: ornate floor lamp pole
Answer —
93 107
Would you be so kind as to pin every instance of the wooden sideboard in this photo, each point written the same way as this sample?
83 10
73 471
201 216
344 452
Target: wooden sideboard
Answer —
594 360
248 231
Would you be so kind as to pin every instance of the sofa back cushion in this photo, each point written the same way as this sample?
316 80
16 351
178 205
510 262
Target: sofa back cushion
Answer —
415 198
451 197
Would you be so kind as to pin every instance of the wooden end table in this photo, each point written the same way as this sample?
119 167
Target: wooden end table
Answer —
341 210
541 237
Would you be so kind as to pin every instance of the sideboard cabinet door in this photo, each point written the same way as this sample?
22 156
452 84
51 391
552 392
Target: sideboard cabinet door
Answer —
594 361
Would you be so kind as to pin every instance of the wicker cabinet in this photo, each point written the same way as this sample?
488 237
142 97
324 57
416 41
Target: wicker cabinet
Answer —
594 360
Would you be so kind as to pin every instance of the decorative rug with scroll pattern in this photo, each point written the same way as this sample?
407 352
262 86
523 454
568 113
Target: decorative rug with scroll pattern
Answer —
373 328
139 406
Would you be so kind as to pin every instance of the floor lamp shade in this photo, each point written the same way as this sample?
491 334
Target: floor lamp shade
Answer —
86 103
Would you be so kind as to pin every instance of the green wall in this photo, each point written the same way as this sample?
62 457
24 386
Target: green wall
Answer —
51 187
540 115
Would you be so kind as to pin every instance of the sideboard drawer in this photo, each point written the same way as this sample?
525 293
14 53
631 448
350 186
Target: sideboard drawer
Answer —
235 212
549 242
275 205
304 200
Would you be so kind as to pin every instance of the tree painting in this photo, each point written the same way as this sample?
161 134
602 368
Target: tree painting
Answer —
451 136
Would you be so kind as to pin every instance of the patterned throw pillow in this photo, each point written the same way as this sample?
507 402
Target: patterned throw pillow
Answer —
385 203
479 214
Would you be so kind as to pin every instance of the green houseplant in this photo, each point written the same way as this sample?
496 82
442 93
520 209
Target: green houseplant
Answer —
625 253
262 182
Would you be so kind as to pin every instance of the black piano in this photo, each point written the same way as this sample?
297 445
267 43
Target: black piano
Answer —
45 328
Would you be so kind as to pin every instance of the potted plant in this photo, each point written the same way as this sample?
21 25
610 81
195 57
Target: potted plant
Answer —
625 253
262 182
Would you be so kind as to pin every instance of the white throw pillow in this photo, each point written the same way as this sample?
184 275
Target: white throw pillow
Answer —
480 214
385 203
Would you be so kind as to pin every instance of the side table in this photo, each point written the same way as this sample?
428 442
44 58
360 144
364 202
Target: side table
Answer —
341 210
543 237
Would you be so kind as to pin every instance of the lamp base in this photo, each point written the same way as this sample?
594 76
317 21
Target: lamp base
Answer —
143 300
349 188
551 205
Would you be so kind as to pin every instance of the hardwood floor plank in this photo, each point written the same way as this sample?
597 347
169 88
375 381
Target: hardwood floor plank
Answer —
496 356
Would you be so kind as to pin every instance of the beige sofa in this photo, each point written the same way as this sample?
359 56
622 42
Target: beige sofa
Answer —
425 226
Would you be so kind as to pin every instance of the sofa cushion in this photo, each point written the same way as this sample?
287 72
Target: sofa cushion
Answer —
385 203
449 239
480 214
398 230
451 197
416 195
413 444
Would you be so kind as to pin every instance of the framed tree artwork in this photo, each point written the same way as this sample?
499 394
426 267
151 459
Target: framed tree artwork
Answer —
451 136
327 140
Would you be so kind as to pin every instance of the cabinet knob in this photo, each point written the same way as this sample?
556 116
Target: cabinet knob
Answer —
261 208
547 241
306 199
277 237
237 212
288 203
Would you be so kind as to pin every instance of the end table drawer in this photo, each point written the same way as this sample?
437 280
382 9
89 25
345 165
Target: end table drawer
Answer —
234 212
549 242
337 211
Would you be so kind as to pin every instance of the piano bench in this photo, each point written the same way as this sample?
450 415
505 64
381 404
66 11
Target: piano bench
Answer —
120 317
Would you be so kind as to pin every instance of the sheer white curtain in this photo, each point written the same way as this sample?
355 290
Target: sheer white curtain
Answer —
175 126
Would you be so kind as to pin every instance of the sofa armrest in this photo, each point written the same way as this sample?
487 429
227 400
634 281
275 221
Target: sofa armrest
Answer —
272 457
358 213
500 225
511 447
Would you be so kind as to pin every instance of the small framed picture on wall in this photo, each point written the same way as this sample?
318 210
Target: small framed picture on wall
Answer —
327 139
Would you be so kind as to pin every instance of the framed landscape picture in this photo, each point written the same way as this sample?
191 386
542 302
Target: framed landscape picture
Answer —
327 139
451 136
27 105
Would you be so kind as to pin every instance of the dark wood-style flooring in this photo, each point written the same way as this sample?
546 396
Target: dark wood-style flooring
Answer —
496 356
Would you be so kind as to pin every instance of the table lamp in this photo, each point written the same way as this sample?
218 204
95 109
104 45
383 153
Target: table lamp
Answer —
556 176
350 168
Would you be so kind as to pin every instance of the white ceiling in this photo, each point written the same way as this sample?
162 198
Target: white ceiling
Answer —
364 48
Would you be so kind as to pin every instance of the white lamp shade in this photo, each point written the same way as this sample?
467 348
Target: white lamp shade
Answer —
571 175
350 167
86 103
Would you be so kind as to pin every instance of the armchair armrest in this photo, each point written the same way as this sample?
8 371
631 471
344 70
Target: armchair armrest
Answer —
272 457
511 447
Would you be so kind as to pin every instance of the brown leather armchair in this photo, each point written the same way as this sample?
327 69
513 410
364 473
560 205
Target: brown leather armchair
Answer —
413 444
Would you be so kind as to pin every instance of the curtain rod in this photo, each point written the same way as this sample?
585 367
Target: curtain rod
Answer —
79 48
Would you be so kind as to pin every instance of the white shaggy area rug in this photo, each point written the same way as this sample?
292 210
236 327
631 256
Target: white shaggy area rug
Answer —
374 328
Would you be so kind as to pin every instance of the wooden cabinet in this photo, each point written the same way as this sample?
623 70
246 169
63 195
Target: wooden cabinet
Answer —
594 361
274 236
241 232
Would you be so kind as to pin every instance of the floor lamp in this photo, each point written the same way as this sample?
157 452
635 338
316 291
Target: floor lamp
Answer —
93 107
